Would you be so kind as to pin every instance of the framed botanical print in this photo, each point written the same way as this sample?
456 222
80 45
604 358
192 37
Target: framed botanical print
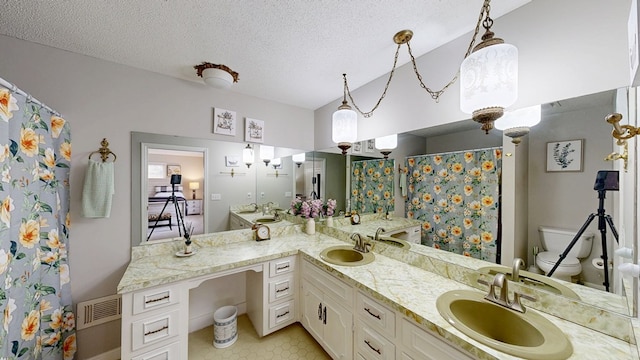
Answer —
371 146
254 130
564 155
224 122
357 147
173 170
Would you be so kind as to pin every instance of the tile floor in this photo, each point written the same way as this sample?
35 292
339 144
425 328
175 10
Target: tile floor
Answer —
292 342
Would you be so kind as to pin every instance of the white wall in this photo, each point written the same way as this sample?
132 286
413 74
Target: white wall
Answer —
103 99
566 49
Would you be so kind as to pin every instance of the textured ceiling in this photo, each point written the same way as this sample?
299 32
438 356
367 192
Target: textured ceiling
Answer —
290 51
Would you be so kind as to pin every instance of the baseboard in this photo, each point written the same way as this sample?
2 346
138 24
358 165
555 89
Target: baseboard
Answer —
202 321
109 355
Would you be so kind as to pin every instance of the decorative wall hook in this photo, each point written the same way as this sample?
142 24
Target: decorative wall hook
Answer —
624 156
624 132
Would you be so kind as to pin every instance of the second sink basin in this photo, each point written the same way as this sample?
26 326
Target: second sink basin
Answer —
345 255
267 220
528 335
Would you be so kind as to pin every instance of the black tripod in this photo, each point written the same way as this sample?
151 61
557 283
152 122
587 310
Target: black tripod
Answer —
175 179
602 218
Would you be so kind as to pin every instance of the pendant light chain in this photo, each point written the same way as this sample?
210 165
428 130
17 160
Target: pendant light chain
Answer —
435 95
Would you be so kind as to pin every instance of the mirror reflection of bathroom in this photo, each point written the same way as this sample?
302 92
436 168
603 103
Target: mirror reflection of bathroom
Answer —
174 203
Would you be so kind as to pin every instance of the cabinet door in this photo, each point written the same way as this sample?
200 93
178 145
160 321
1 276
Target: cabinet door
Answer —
312 310
338 337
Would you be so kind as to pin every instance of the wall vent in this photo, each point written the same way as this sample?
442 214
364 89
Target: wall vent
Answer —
98 311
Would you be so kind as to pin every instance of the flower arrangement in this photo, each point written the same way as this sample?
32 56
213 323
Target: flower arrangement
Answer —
311 209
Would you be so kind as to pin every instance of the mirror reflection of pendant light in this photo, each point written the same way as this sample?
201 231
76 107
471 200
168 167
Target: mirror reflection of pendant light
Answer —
516 124
276 163
298 159
266 154
386 144
344 126
247 156
489 77
216 75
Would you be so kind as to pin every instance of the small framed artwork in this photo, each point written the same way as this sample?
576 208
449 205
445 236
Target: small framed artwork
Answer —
564 155
357 147
173 170
371 146
155 171
232 160
254 130
224 122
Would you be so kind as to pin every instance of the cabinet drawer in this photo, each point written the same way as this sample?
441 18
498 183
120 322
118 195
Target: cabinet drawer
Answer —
281 288
282 266
155 298
154 329
373 345
422 345
329 285
282 314
169 352
376 315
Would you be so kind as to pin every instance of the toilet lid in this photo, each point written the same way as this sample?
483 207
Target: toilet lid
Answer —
551 258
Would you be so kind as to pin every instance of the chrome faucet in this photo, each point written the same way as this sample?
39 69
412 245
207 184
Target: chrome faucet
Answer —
515 273
378 232
361 245
503 299
255 207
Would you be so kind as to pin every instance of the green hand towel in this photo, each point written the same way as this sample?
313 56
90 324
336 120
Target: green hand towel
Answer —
98 190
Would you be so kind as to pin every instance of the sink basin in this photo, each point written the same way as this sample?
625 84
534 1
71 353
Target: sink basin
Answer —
267 220
345 255
391 241
527 335
246 211
536 281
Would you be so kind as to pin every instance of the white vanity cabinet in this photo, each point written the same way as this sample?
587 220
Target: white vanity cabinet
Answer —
326 311
272 296
375 329
410 234
417 344
238 223
152 319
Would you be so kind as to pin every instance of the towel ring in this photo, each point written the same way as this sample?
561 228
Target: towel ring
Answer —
104 151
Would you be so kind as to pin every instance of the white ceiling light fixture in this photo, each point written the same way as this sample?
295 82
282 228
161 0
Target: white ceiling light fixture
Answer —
298 159
217 75
386 144
516 124
488 76
266 154
344 125
276 163
248 156
488 72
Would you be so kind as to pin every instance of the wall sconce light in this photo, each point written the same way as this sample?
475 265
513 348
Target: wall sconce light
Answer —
298 159
516 124
276 163
490 65
247 156
344 125
216 75
266 154
194 186
386 144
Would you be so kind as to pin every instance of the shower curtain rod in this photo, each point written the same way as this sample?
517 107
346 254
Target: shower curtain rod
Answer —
11 87
457 151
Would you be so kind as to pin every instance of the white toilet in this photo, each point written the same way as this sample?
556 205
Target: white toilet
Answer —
555 241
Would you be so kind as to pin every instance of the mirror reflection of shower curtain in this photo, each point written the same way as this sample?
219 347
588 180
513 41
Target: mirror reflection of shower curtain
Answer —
372 186
457 197
39 322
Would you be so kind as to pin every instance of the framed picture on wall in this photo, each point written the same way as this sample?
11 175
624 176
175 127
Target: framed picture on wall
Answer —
232 160
564 155
173 170
224 122
356 148
155 170
254 130
371 146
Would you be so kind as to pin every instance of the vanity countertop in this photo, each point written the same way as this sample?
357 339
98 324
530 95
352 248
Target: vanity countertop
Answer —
406 288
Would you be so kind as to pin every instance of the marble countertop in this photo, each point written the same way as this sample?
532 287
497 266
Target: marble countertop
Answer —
408 289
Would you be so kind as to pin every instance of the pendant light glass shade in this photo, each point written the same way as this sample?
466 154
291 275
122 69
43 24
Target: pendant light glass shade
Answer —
516 124
389 142
266 154
298 159
489 82
344 125
247 155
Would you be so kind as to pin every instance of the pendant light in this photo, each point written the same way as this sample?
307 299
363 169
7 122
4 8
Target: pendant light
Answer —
298 159
386 144
516 124
266 154
344 126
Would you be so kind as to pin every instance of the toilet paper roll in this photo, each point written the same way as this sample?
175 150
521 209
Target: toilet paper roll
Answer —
598 264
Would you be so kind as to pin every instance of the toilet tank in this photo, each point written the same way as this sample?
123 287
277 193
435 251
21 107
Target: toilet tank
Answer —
556 240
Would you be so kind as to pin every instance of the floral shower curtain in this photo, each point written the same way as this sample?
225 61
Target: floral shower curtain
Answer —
372 185
35 154
457 198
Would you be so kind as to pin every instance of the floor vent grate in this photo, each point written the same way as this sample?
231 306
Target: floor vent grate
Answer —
98 311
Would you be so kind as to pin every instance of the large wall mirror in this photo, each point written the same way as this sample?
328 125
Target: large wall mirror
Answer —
558 199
